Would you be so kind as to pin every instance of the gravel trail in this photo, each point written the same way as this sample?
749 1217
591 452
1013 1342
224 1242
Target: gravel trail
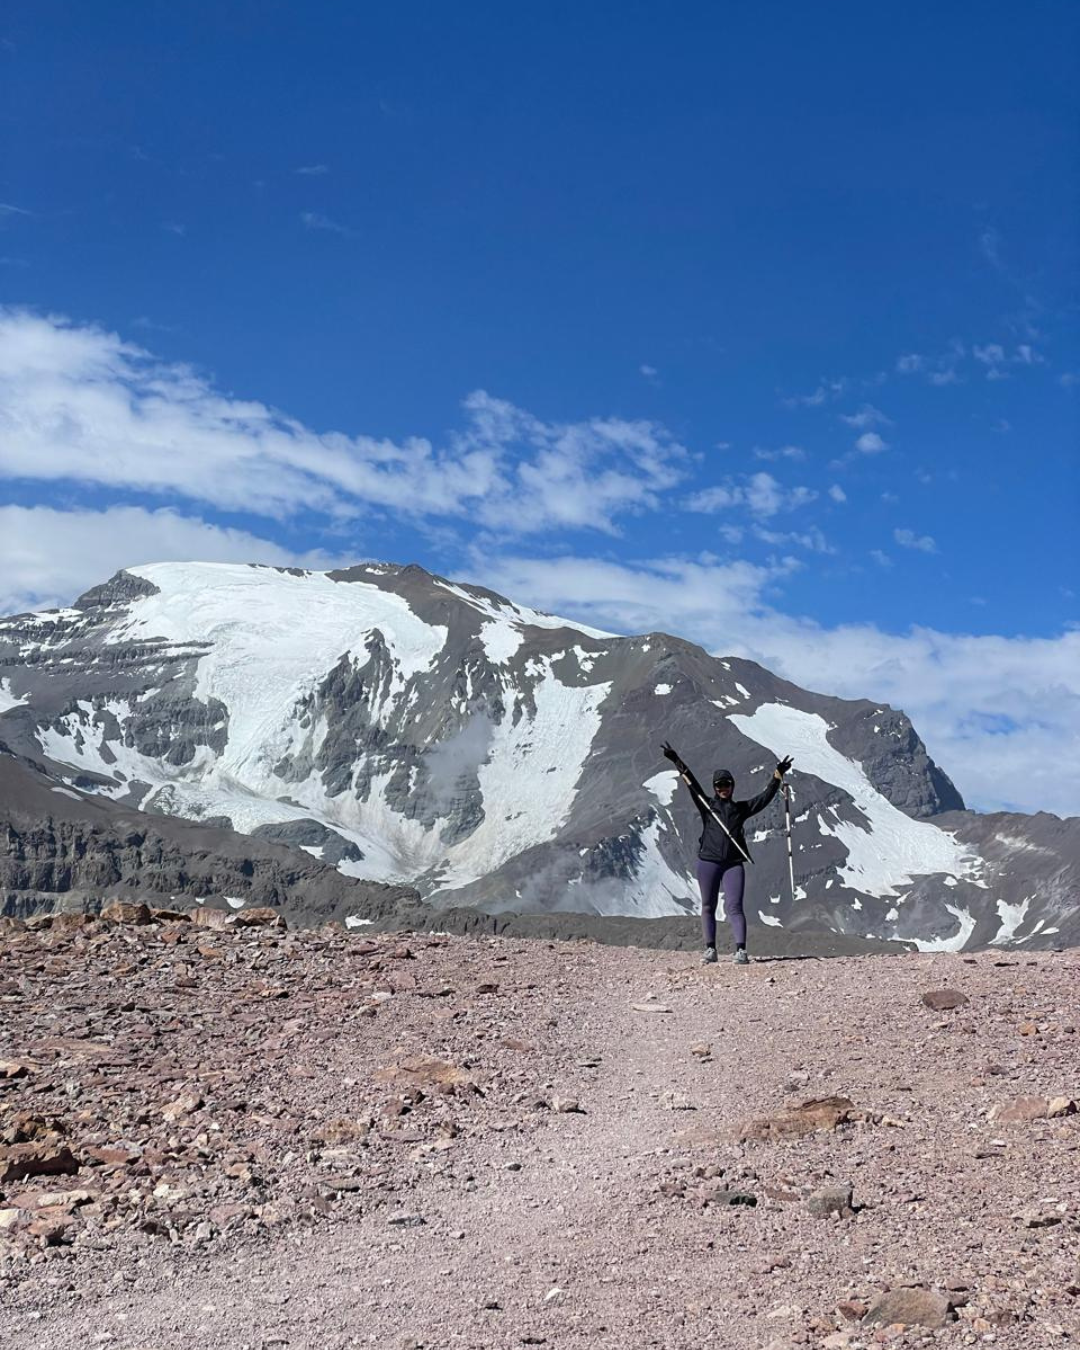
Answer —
513 1219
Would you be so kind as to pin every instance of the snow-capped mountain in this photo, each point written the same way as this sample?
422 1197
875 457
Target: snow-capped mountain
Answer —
409 730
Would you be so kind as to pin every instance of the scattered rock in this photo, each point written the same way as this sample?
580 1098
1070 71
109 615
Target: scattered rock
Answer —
820 1113
832 1200
260 917
120 911
1020 1110
942 1000
673 1101
911 1308
36 1160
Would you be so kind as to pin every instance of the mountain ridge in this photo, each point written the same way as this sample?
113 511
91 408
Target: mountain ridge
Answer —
433 733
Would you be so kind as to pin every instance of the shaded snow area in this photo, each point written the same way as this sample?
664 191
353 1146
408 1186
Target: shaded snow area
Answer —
267 639
8 699
957 942
274 636
516 615
887 850
546 750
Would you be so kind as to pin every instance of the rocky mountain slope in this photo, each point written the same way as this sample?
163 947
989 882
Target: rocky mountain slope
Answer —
407 730
219 1136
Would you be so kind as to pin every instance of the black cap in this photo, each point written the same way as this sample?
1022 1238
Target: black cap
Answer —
723 776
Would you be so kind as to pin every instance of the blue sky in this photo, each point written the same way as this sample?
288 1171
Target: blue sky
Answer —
754 323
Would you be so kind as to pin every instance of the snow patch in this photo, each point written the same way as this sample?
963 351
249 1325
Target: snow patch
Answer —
662 689
890 850
1011 916
663 786
355 921
233 901
771 920
957 942
501 641
67 792
8 699
745 692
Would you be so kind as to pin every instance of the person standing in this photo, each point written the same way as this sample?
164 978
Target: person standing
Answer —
722 850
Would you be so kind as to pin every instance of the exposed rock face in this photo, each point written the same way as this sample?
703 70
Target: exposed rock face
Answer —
54 848
407 730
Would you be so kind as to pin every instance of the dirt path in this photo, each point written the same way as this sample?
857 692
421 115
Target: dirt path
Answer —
550 1227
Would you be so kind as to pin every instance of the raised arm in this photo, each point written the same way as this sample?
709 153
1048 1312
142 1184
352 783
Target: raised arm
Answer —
761 801
683 770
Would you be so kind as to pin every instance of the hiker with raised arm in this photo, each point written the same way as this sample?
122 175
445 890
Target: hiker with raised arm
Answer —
722 849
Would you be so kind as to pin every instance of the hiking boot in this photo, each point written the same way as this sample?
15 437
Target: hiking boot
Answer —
709 959
741 958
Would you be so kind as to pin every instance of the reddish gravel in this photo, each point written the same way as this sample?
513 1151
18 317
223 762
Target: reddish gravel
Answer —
319 1141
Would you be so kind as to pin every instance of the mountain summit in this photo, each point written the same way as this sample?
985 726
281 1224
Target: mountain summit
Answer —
403 728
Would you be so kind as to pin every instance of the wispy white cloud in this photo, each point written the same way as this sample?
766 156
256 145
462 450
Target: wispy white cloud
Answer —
870 443
7 211
50 556
650 372
174 227
313 170
909 364
990 247
813 539
825 391
922 543
795 452
80 404
759 493
867 416
314 220
882 559
837 493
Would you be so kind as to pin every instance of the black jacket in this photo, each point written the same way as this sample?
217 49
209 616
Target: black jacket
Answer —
714 845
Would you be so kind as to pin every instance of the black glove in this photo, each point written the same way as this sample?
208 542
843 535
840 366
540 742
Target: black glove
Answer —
783 766
673 755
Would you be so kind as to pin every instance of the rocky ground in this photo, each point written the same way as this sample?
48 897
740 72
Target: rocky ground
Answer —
223 1136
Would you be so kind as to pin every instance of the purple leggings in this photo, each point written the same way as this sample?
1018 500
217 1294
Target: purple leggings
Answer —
711 875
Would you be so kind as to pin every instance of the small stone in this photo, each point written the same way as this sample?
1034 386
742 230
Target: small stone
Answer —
1020 1110
910 1307
673 1101
943 1000
566 1106
119 911
403 1219
724 1197
260 917
36 1160
1060 1106
851 1310
832 1200
184 1105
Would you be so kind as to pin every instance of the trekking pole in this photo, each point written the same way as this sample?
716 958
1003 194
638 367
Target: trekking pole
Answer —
787 830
